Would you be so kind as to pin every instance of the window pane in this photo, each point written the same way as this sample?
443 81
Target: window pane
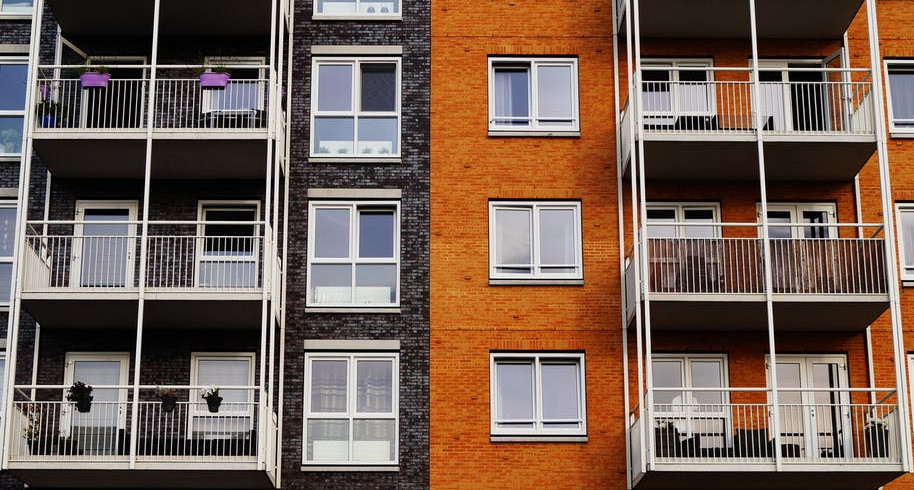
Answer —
699 216
331 233
333 135
338 7
7 231
227 372
376 234
229 239
667 374
376 283
512 96
382 7
515 391
16 6
378 136
373 440
334 88
6 282
379 87
661 215
11 134
901 83
2 369
555 94
12 84
328 440
375 387
328 386
560 391
777 217
557 238
707 374
656 91
331 283
907 236
512 239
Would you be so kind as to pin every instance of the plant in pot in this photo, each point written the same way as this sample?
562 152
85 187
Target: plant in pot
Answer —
169 399
876 434
213 400
216 77
81 394
94 76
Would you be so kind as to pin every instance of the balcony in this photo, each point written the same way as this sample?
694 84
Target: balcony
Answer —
709 439
55 445
812 19
198 132
74 270
818 284
812 130
201 18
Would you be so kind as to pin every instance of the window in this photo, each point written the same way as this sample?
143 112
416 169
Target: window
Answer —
684 256
354 254
694 215
355 107
811 213
351 407
16 7
13 79
901 95
246 89
672 89
701 413
7 241
906 239
538 240
357 8
539 394
235 418
229 253
538 94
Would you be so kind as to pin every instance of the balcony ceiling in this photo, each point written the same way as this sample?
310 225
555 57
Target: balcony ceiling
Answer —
65 475
178 18
730 18
840 478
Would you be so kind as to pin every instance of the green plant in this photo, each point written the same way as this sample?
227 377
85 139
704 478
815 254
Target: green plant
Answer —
78 391
93 69
214 69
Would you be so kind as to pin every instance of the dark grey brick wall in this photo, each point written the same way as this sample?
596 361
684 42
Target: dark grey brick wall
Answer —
411 326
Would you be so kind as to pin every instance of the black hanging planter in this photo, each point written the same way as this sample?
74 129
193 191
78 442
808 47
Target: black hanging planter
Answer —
169 403
213 403
84 404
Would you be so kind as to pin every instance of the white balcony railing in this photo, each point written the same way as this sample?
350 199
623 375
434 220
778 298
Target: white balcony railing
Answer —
52 429
184 257
821 426
65 105
706 100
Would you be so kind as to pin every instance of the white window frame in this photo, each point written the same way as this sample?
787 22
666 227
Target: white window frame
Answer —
534 207
16 15
14 60
352 259
796 212
687 410
537 359
357 15
201 258
198 407
532 63
679 208
889 65
70 358
5 301
351 414
672 65
355 103
907 270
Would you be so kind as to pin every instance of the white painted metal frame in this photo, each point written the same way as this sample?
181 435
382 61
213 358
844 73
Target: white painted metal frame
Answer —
679 208
536 361
76 261
195 395
356 113
352 258
906 66
10 113
352 414
200 256
530 65
536 266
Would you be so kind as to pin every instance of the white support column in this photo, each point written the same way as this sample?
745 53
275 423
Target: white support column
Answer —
889 226
144 244
25 168
766 242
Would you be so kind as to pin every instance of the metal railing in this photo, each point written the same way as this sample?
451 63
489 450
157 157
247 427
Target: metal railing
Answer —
709 100
828 265
181 256
705 265
185 429
731 425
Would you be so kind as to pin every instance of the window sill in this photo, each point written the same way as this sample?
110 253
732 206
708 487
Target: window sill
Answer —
320 309
327 468
907 283
902 134
15 16
369 17
536 282
535 134
540 438
354 160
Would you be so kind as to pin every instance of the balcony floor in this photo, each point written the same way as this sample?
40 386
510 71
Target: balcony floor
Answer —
807 477
117 475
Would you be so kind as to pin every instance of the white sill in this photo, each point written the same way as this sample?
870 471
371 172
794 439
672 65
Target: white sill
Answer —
533 134
903 134
535 282
538 438
15 16
384 468
361 17
352 159
907 283
351 309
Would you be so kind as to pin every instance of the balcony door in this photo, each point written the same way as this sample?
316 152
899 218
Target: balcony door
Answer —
121 104
100 432
104 243
814 416
794 96
679 95
228 250
684 255
803 258
241 102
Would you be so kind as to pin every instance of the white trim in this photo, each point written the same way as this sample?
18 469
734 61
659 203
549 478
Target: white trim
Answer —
351 413
907 270
536 360
679 209
131 236
907 65
354 193
354 50
535 266
530 64
194 396
352 259
352 345
673 64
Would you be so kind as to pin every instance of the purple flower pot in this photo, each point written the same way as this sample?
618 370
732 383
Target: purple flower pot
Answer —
94 79
212 79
